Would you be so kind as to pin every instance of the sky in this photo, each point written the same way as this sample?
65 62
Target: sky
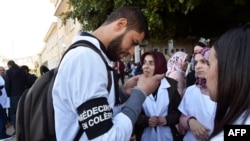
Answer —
23 26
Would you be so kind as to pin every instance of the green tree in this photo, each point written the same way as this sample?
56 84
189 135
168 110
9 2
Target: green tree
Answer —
168 18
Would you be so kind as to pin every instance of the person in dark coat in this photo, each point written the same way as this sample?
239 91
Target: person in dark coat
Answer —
119 67
30 78
15 85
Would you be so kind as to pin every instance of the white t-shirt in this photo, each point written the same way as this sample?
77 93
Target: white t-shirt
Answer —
4 99
200 106
220 136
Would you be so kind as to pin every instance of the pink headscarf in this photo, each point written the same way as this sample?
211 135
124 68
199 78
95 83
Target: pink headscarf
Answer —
205 53
176 61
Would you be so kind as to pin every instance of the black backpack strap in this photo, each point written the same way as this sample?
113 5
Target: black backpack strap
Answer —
85 43
116 84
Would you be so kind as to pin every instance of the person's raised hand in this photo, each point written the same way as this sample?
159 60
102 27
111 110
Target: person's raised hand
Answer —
130 84
149 83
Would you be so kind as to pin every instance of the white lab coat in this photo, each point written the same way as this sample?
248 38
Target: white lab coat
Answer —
4 99
158 107
82 76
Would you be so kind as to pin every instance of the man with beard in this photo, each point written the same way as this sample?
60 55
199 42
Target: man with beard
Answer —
81 99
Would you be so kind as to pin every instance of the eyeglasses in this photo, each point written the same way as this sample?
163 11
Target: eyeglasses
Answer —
150 63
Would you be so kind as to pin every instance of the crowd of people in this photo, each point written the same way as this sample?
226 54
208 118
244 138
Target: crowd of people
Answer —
13 82
161 103
216 95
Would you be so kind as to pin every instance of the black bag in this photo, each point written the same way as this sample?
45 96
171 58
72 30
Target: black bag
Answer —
35 113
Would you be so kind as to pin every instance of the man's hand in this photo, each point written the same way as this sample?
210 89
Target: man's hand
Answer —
149 84
129 85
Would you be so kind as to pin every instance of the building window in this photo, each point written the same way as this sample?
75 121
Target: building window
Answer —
166 51
70 24
172 51
183 50
61 42
60 23
156 49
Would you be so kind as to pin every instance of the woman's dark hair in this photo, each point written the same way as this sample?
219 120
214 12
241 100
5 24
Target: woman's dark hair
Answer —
136 20
233 91
160 61
200 44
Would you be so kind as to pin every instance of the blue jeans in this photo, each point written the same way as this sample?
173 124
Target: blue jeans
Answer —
3 120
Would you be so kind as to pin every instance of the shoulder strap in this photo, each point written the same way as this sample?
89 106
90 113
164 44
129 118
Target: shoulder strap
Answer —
85 43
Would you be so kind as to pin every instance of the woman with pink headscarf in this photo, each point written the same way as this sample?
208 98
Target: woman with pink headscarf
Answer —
176 68
198 110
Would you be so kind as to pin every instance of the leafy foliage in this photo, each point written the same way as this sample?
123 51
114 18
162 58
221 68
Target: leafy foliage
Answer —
168 18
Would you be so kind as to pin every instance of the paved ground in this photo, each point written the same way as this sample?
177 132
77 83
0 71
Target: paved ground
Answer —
10 131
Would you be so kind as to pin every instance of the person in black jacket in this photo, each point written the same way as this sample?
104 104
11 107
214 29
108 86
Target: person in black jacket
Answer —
30 78
15 85
160 111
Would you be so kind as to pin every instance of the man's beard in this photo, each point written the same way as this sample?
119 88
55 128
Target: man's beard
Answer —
115 48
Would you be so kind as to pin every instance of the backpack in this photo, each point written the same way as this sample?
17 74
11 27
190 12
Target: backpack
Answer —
35 113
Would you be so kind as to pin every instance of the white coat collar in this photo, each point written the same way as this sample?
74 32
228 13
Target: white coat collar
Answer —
164 84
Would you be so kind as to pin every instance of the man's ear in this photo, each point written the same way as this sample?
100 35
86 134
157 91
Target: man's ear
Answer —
121 24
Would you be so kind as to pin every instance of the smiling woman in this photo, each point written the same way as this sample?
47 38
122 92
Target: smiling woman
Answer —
25 25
